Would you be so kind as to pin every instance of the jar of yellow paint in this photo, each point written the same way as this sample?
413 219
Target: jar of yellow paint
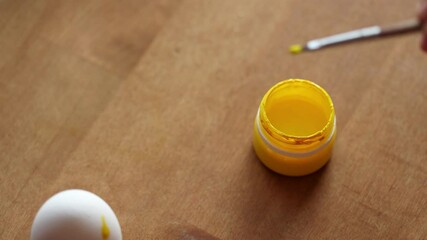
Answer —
295 128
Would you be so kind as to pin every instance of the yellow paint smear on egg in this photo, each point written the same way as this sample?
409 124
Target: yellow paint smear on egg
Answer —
105 231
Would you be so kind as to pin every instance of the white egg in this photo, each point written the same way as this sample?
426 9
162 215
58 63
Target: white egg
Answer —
75 215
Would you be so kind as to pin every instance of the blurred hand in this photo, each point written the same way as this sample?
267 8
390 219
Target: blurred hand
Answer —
422 15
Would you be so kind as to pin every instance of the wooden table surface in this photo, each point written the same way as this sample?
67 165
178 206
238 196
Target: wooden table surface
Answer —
150 105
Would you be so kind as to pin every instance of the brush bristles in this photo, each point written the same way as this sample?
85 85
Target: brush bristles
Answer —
296 48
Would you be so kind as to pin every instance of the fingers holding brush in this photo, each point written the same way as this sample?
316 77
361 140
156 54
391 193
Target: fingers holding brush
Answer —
422 15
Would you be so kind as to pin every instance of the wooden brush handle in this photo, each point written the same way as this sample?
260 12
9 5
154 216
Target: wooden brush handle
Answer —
402 27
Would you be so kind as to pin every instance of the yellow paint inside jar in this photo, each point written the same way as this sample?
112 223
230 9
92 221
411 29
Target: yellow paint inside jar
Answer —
296 116
295 128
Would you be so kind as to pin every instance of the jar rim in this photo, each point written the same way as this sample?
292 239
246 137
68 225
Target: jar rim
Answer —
289 138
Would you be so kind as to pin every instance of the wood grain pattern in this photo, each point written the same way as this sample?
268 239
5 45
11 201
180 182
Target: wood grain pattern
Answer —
150 105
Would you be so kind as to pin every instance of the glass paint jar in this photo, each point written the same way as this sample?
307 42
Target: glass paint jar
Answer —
295 128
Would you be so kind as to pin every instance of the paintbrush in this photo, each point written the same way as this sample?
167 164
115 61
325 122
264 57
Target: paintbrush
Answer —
359 34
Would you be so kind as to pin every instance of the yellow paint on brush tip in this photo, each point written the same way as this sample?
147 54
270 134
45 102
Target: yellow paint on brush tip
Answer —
295 49
104 229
